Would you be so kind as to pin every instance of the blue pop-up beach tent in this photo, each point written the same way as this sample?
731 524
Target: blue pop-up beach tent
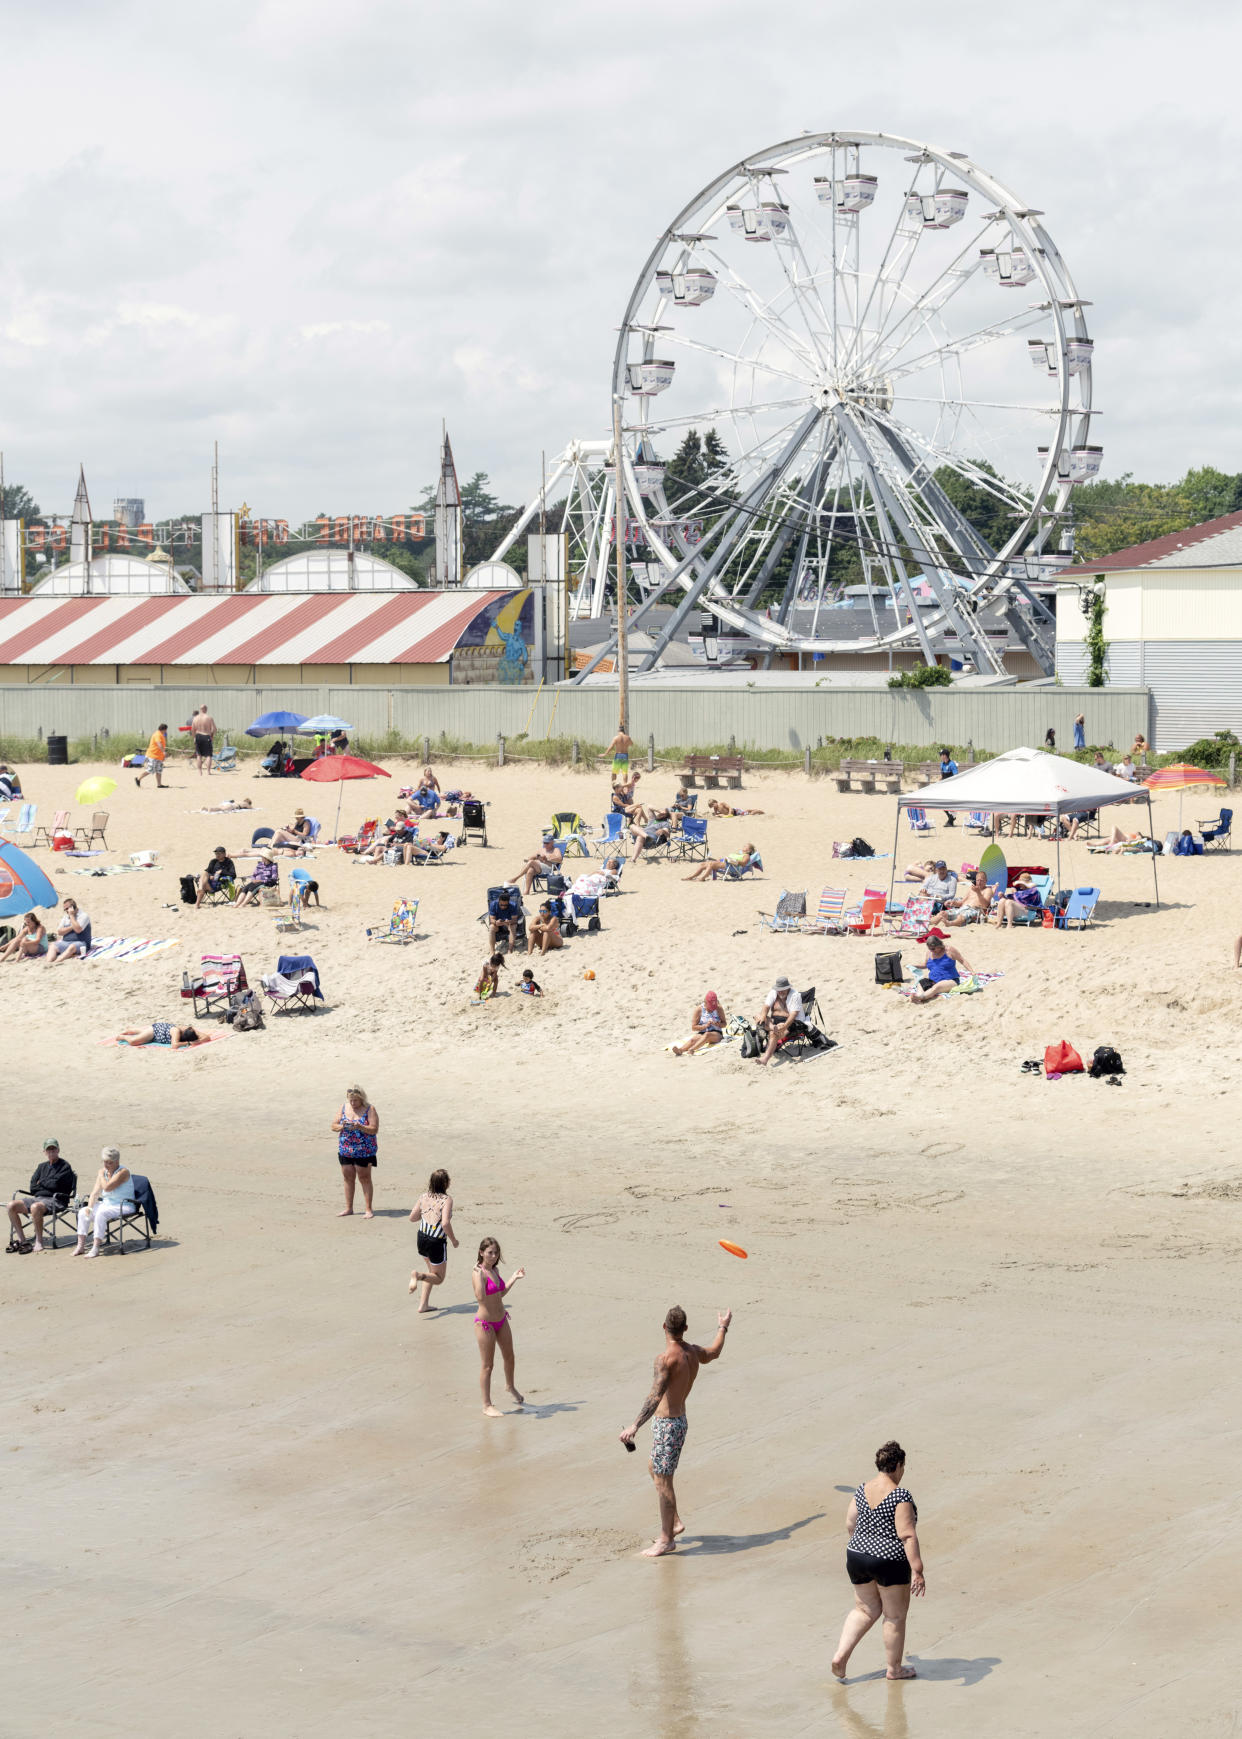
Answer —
23 884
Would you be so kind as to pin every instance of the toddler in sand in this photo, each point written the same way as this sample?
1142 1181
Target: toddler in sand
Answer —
489 978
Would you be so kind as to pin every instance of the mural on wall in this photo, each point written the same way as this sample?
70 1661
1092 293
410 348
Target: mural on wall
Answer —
499 644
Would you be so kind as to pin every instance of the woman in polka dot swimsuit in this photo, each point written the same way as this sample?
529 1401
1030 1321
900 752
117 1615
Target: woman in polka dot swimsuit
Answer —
883 1561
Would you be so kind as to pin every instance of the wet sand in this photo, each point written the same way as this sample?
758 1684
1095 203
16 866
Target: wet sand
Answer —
262 1498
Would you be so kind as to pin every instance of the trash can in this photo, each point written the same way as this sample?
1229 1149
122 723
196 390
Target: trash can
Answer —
58 751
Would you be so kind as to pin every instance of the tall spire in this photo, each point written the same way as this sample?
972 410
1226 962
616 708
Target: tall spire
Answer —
448 520
80 522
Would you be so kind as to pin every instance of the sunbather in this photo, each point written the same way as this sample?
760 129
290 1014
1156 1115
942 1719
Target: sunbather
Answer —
593 884
229 805
706 1025
939 970
398 830
781 1012
1119 840
30 941
544 931
1022 898
973 904
419 850
919 872
295 836
718 808
548 857
650 834
624 800
718 866
160 1032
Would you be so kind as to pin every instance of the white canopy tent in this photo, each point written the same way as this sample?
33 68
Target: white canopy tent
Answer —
1027 782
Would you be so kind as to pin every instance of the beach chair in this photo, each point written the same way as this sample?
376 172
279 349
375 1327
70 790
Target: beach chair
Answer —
225 759
790 914
612 841
568 829
60 824
866 918
292 919
428 858
25 820
830 918
98 829
364 837
399 928
915 918
515 900
141 1218
294 984
261 835
1078 908
978 821
736 872
918 821
1035 914
473 820
691 839
221 981
808 1036
304 878
1216 832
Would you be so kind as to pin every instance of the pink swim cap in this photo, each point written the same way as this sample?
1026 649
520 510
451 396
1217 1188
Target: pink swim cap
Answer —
709 1000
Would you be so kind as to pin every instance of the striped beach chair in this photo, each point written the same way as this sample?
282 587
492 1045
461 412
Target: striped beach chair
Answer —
978 821
220 978
26 816
830 918
790 913
60 824
918 821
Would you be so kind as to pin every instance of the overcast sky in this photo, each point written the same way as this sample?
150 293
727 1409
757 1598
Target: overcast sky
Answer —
312 230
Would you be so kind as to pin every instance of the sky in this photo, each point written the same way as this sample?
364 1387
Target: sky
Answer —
312 232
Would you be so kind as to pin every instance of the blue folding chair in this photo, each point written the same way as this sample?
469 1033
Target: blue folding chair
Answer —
691 841
918 821
224 760
735 872
1078 908
612 841
1216 832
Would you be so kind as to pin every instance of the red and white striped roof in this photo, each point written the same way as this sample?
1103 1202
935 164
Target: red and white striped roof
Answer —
240 628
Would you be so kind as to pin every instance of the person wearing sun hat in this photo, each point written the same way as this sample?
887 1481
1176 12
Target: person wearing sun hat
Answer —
295 834
266 874
1022 898
782 1007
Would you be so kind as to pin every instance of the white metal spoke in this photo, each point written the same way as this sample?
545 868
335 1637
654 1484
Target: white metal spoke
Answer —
706 418
996 486
760 309
733 357
939 293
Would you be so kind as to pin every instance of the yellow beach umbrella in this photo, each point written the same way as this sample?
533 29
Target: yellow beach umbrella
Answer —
95 790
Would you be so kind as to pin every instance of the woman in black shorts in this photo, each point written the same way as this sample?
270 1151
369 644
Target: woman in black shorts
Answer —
883 1562
434 1212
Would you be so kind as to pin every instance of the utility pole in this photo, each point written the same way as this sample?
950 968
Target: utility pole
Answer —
618 489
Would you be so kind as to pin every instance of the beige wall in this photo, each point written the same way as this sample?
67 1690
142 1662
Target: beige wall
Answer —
1161 604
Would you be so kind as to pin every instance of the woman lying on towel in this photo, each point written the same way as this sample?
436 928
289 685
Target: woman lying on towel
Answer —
160 1032
718 808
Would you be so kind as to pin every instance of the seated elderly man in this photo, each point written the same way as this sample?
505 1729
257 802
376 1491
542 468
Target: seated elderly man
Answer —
941 885
780 1014
220 870
548 857
972 905
52 1186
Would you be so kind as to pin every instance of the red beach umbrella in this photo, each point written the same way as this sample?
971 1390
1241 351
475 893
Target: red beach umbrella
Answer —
339 768
1181 778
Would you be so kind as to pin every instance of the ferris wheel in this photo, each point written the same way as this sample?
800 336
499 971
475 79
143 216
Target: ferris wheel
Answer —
856 316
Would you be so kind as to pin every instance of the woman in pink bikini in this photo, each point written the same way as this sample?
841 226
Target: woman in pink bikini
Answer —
491 1325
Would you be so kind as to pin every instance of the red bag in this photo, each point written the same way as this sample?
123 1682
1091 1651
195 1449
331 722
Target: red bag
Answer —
1062 1059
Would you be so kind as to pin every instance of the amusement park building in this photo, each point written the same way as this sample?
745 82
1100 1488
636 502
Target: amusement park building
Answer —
398 639
1173 624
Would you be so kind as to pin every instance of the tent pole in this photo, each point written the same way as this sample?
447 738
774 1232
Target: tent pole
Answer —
1155 878
1058 822
892 874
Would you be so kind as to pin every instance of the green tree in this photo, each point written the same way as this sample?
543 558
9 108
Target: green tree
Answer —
1110 516
1210 493
18 503
991 517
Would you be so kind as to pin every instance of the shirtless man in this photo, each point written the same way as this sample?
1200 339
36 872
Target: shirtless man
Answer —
619 748
548 857
204 728
973 905
675 1371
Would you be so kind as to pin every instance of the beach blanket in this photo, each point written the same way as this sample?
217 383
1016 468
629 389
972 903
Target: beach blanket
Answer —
974 982
702 1050
112 869
129 947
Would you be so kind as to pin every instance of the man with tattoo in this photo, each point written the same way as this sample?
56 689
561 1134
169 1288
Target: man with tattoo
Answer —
675 1371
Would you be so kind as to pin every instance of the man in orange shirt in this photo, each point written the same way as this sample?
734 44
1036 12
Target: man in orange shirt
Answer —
157 748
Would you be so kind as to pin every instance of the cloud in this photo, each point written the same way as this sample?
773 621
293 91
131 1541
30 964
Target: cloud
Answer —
312 232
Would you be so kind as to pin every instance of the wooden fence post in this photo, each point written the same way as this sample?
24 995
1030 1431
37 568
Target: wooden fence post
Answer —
651 752
806 761
1233 769
500 750
576 752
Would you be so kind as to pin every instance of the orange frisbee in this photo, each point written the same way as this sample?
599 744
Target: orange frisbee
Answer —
733 1249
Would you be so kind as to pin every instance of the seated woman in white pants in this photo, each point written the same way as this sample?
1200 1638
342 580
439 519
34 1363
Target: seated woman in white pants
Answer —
111 1198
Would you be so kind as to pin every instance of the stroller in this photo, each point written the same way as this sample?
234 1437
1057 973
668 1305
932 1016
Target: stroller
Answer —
578 912
473 820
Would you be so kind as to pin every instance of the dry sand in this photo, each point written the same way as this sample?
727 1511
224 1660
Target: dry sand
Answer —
251 1493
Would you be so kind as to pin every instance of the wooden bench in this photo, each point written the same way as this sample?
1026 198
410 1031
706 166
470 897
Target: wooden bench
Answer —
714 770
869 776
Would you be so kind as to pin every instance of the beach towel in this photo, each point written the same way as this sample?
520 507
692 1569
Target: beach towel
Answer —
129 947
685 1040
112 869
973 982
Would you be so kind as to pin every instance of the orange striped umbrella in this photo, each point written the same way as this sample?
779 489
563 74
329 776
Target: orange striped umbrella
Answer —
1181 778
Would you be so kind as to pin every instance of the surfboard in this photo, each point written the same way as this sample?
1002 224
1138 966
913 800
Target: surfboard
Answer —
993 865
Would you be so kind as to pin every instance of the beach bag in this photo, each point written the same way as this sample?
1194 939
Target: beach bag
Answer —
1062 1059
189 890
1106 1061
752 1043
858 847
888 968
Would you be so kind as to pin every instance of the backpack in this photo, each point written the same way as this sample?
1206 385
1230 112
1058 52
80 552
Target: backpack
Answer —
1062 1059
858 848
1106 1061
888 968
189 890
752 1044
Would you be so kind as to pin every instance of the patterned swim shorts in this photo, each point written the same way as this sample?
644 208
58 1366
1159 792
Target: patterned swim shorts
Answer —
668 1439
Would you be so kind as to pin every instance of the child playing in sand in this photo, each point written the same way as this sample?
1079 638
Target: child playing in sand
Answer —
489 978
528 987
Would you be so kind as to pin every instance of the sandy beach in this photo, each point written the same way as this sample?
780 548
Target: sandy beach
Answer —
251 1493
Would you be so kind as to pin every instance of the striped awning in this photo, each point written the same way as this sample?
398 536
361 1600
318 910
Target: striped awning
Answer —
240 628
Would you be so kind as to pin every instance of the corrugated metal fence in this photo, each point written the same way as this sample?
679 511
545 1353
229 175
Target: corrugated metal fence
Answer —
704 716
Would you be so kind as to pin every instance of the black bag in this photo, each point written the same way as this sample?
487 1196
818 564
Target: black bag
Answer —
189 890
1106 1061
752 1041
858 848
888 968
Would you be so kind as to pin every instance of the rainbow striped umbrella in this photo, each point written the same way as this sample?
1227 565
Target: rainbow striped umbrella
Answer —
1181 778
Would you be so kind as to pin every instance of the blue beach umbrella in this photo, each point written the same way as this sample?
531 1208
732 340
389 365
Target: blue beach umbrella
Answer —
22 883
271 724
